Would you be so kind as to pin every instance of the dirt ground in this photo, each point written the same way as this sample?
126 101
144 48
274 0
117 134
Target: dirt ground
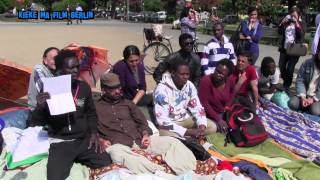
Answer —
24 43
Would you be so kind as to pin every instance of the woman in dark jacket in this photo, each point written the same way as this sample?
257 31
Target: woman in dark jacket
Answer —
292 31
251 29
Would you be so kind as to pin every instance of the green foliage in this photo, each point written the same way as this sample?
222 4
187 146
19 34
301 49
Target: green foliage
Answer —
62 5
153 5
5 5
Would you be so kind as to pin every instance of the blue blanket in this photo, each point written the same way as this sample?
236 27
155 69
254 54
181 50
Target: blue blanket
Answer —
292 129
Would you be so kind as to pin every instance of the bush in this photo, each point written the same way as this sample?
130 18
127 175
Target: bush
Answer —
6 5
62 5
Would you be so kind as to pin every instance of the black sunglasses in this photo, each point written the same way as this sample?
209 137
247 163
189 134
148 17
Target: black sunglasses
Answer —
188 43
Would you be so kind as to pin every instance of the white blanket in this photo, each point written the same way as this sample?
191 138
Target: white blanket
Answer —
26 146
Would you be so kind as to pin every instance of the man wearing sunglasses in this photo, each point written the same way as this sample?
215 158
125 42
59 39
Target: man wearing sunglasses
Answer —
217 48
186 53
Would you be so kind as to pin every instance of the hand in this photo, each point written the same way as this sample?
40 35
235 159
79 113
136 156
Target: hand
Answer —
304 102
42 99
134 101
202 131
105 143
241 36
195 133
223 126
145 141
310 100
96 143
257 104
242 78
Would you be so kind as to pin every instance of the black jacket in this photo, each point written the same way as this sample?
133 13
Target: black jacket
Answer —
192 59
83 121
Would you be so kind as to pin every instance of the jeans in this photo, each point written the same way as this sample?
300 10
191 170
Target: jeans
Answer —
287 65
254 57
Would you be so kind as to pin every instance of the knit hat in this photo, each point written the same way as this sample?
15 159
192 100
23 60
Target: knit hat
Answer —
109 80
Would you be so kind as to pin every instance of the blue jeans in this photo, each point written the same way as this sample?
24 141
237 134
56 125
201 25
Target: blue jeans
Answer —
254 57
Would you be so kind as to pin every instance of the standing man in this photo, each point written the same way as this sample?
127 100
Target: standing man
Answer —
217 48
79 8
40 71
185 53
69 20
73 136
124 127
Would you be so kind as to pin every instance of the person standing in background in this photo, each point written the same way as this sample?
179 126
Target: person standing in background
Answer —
251 30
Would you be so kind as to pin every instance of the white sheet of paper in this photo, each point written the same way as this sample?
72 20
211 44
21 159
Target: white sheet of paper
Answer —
61 100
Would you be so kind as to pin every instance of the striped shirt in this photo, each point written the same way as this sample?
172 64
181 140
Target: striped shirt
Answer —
215 51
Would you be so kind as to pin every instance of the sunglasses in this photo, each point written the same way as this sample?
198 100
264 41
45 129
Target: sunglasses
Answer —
189 43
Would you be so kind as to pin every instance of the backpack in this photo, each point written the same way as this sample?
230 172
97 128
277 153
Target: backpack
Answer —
245 127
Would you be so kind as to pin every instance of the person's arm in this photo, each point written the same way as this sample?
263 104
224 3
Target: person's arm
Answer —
161 110
244 29
195 107
300 86
40 115
232 56
205 61
142 85
254 87
259 33
197 70
139 118
188 22
138 96
161 68
241 80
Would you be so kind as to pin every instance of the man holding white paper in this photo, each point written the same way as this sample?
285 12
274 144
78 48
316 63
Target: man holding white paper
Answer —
73 136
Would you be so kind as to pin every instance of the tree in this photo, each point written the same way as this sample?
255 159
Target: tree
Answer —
153 5
5 5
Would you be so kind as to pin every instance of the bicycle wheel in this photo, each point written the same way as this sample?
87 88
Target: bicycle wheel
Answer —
199 47
153 55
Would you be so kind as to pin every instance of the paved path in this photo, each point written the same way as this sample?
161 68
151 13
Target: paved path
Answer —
25 42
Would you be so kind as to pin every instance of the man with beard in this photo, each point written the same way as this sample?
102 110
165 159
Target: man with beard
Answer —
308 87
123 128
186 43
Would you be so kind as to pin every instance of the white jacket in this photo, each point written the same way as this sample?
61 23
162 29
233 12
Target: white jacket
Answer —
172 104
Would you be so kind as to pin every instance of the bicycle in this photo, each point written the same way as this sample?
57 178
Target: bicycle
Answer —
155 49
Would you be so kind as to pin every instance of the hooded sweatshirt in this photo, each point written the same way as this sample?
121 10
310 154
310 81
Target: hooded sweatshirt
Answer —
173 105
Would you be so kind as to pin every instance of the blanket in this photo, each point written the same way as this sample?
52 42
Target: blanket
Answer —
292 129
301 169
24 147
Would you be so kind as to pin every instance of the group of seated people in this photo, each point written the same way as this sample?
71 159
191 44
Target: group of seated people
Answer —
184 103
